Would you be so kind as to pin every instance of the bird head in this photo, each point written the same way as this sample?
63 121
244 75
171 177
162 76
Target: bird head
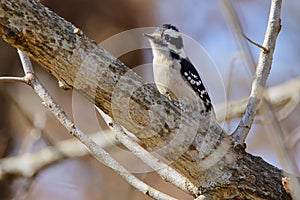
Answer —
167 38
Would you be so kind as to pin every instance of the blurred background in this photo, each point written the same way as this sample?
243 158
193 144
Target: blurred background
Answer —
26 126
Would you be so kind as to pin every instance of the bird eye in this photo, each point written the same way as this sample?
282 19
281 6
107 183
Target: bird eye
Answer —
167 37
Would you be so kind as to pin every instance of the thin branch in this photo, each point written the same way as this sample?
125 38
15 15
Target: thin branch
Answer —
236 28
25 61
265 50
290 106
28 164
271 119
284 97
262 72
94 148
165 171
27 67
12 79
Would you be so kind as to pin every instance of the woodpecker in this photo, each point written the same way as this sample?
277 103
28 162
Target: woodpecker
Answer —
174 74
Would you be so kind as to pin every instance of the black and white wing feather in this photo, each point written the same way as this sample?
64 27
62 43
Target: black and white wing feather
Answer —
191 75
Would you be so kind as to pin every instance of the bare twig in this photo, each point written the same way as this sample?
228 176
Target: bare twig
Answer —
28 164
265 50
290 106
236 28
262 72
283 97
165 171
26 64
94 148
219 114
27 69
12 79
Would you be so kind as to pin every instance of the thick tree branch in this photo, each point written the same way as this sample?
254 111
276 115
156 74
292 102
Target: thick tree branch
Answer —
209 161
280 97
80 63
164 170
98 152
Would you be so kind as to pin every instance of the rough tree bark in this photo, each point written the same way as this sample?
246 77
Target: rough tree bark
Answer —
79 63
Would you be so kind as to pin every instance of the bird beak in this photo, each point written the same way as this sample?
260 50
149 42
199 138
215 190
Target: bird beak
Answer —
149 36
